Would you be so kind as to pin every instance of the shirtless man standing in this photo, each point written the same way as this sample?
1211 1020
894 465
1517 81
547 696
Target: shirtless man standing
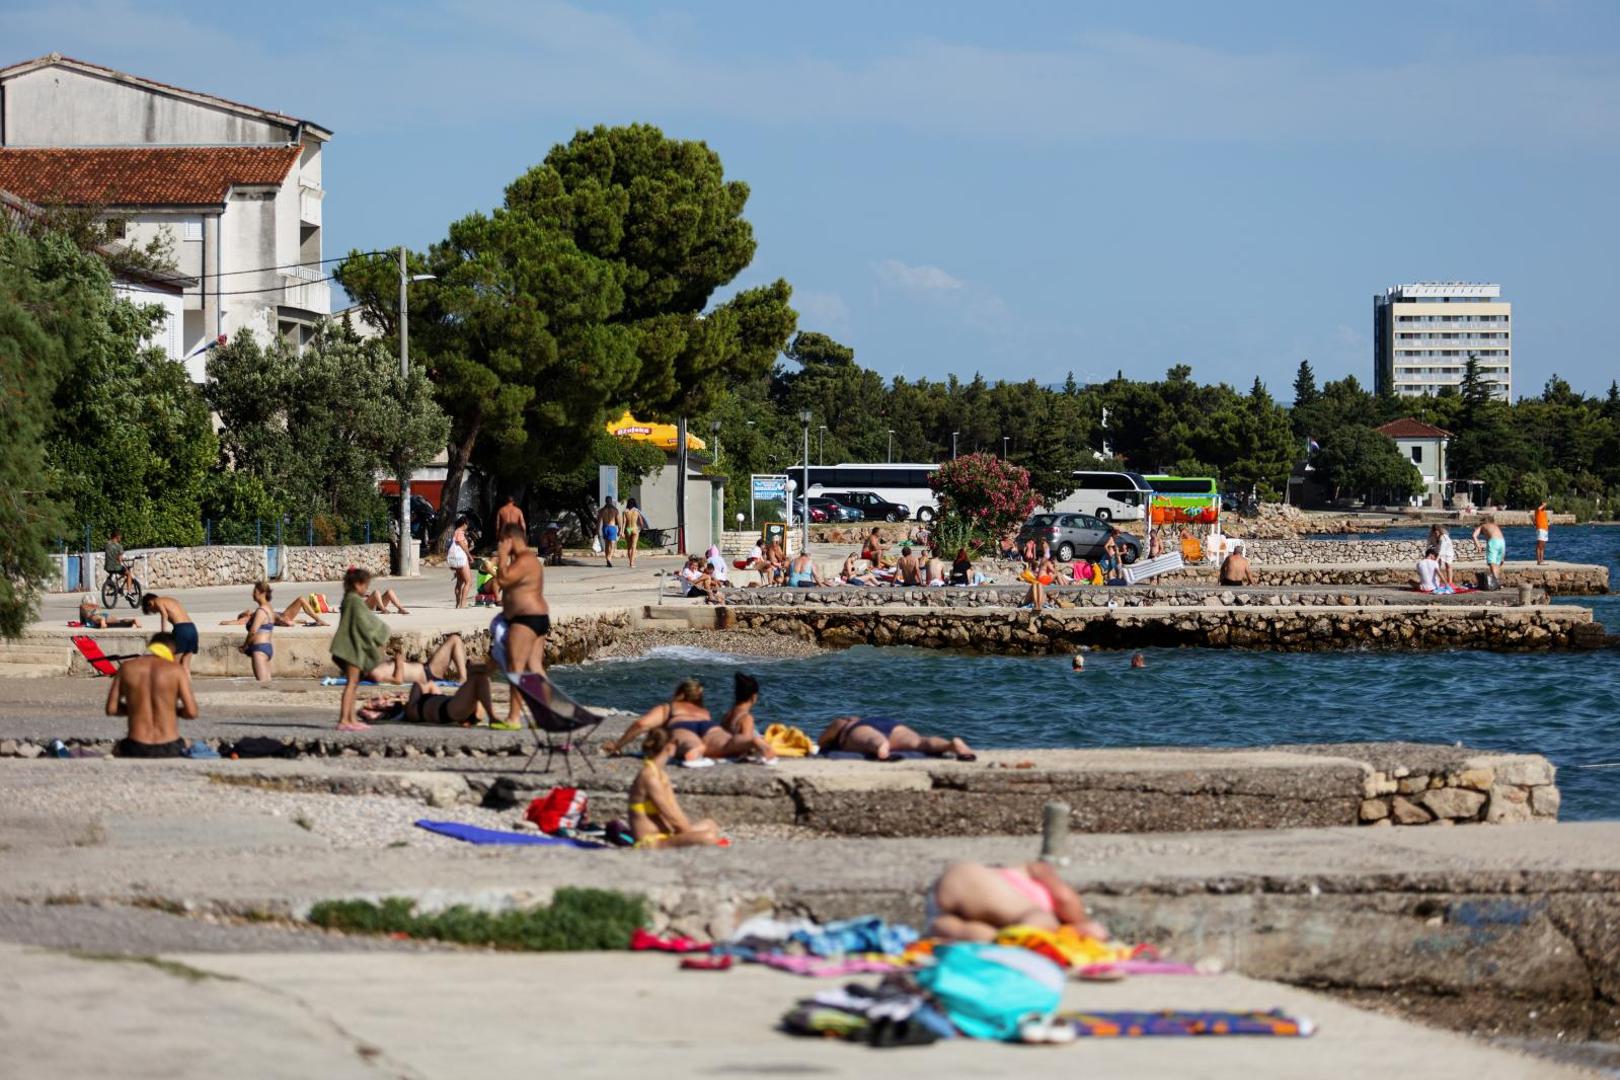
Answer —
149 690
607 523
1495 548
509 514
173 617
523 603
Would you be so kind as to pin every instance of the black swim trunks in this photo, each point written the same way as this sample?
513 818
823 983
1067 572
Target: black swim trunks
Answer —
129 748
540 625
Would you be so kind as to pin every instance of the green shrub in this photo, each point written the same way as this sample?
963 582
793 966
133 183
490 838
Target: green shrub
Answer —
578 920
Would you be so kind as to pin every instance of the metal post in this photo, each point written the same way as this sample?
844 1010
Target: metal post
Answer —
891 446
86 581
804 491
1055 833
406 548
954 434
681 483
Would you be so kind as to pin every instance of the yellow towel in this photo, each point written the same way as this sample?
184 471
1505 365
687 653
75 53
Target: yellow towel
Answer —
1065 945
787 741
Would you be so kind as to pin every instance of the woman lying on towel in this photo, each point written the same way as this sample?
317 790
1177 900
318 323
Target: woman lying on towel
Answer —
425 705
656 819
876 737
971 902
451 655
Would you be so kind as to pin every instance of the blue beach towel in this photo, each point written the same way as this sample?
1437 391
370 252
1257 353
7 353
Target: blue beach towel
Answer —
339 680
472 834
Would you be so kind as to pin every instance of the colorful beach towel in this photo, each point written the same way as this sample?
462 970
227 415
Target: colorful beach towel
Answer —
473 834
1134 1025
339 680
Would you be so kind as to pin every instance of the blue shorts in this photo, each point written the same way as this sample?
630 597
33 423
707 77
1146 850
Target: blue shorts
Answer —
610 533
185 638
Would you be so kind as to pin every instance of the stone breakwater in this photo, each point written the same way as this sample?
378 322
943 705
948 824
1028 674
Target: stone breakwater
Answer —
1556 579
1065 597
1274 628
1341 551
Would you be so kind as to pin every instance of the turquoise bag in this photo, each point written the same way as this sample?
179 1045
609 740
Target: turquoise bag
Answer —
987 991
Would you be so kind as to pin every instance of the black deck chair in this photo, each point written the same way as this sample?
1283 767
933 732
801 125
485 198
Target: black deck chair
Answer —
553 713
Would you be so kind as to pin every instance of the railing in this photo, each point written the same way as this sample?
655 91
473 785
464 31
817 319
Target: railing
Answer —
300 292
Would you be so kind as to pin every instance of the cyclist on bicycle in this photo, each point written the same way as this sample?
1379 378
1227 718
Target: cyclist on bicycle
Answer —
114 562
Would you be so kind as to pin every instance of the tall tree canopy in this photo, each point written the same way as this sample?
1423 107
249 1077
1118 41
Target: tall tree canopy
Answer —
588 291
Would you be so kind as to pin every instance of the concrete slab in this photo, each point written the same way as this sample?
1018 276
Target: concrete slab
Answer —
618 1014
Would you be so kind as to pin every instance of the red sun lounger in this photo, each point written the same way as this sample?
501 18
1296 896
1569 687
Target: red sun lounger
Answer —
103 664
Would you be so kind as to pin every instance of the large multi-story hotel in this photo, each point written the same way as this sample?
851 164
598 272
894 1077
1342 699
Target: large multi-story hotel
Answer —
1423 334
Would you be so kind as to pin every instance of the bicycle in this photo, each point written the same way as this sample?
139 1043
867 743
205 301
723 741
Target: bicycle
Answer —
121 585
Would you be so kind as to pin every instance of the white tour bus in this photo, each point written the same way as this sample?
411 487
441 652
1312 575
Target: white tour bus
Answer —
1112 496
906 484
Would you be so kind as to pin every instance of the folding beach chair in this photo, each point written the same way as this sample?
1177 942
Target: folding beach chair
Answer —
554 714
1141 571
100 661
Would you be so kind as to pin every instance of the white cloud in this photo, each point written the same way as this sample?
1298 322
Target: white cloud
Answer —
821 310
916 279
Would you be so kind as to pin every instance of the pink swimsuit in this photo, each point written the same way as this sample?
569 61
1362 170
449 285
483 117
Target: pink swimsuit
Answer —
1032 890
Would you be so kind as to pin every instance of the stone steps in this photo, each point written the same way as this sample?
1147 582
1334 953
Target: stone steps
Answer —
30 658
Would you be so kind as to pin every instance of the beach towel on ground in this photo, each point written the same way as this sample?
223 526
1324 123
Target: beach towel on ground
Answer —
1132 1025
855 755
989 991
472 834
868 934
339 680
786 741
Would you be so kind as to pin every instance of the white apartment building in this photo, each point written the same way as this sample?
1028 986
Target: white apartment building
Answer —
1424 333
237 189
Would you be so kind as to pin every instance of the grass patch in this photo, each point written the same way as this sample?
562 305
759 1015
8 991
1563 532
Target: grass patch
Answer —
577 920
168 967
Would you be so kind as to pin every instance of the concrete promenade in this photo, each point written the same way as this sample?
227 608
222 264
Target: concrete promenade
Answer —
618 1015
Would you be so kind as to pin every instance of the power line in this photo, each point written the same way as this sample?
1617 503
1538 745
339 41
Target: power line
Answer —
255 270
274 288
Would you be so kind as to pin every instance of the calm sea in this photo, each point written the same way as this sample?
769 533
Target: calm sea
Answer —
1563 705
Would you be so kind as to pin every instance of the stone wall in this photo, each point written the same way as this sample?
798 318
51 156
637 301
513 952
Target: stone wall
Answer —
185 568
1339 551
1506 791
1304 629
331 563
1556 579
1189 594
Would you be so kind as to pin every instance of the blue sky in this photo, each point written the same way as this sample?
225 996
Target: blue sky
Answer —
1020 190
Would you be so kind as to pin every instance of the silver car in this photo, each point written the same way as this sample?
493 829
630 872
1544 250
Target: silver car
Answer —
1077 536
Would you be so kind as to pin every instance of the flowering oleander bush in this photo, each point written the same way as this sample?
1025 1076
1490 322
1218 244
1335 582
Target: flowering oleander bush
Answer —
985 495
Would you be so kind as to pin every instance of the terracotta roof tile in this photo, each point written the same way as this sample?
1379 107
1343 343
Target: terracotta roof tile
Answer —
140 175
1409 428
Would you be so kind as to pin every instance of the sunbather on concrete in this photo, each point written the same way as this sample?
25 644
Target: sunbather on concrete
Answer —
381 601
426 704
153 691
96 619
876 737
656 818
738 734
972 902
451 655
261 596
688 722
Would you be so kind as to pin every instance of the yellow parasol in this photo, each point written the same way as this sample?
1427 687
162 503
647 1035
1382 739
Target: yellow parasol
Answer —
663 436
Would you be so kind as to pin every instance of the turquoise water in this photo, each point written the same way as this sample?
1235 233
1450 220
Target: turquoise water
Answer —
1564 705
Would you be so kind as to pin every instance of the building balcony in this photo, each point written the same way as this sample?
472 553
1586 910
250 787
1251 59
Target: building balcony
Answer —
309 205
304 287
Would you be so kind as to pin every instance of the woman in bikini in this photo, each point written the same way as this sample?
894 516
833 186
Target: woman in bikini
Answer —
656 818
631 521
876 737
451 655
261 622
683 716
425 705
971 902
738 733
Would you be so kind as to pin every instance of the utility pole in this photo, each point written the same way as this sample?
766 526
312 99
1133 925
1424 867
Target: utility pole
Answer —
407 548
954 434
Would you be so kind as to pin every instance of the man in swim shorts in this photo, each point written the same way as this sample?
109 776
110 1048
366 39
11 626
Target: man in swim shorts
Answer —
1495 549
173 617
877 737
523 602
153 691
607 519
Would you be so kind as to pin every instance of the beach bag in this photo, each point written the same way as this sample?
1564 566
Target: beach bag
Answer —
562 808
987 991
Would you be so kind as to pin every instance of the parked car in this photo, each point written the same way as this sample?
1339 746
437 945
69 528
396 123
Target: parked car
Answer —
1077 536
835 510
870 505
818 514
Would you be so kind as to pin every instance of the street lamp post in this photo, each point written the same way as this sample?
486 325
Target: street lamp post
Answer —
891 446
715 427
954 434
407 549
821 445
1004 439
804 534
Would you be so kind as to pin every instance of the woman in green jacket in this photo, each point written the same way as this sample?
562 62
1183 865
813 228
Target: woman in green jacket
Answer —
358 644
